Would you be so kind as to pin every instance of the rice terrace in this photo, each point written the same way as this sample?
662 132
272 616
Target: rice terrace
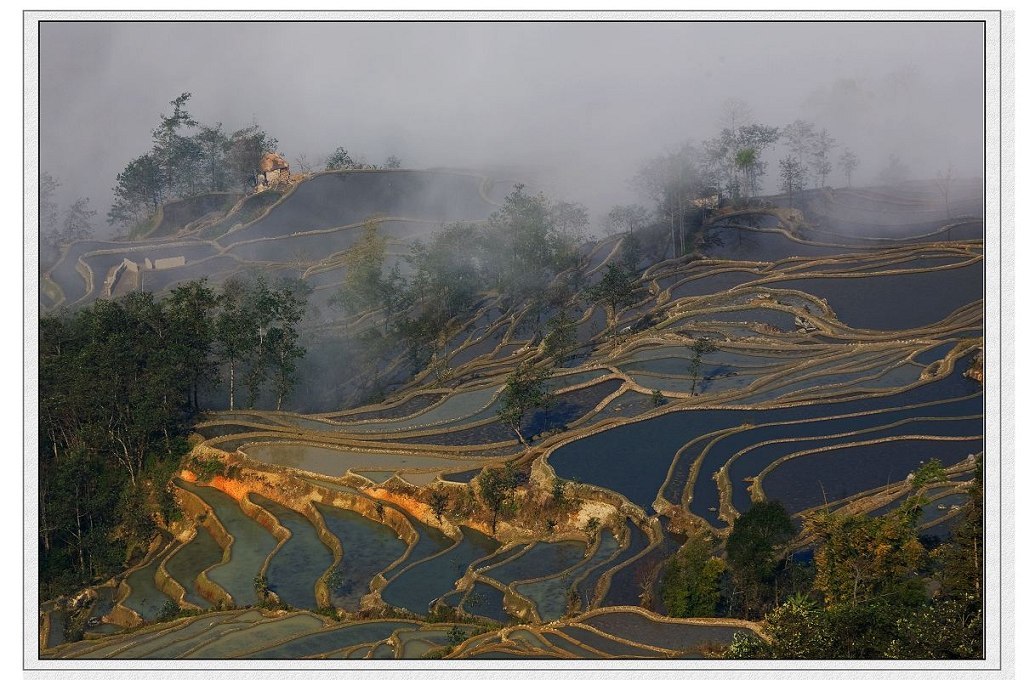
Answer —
370 411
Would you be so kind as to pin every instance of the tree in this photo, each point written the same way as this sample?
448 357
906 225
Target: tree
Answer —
698 349
177 156
49 228
791 176
615 289
232 329
750 142
626 219
212 144
821 147
848 161
393 162
521 250
112 419
339 160
894 172
496 486
244 150
362 287
861 557
438 502
798 137
875 607
673 181
752 546
283 349
139 191
690 585
446 274
561 339
747 162
569 220
77 222
630 251
735 114
524 391
190 308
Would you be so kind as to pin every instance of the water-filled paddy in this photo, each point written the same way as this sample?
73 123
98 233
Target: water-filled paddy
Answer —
543 559
672 635
184 566
145 598
800 482
252 543
895 301
422 583
431 541
454 408
256 637
302 559
588 584
486 601
335 638
756 454
605 645
368 548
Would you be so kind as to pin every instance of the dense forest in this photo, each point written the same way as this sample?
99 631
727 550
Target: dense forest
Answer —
120 383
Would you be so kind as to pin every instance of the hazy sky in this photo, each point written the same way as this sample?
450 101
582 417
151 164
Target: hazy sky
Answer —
574 108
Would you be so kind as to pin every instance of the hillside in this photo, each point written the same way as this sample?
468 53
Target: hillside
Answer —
815 357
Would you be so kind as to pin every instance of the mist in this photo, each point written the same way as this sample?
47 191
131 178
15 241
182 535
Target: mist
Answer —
573 109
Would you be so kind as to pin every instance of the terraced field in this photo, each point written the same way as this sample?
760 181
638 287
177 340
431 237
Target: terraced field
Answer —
847 357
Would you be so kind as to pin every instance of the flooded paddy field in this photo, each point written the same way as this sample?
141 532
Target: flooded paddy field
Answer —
845 356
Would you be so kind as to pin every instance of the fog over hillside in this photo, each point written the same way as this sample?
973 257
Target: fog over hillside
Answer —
571 108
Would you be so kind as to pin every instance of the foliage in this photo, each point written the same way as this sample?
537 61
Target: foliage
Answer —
206 468
257 335
792 176
861 557
169 611
77 222
871 580
524 391
626 218
690 584
658 399
799 629
631 253
339 160
561 339
457 635
187 158
798 137
496 486
821 147
243 151
113 413
366 286
119 389
615 289
894 172
848 162
438 502
673 181
698 349
752 550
